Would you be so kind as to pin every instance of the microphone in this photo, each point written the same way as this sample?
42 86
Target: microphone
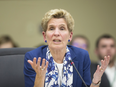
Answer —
72 63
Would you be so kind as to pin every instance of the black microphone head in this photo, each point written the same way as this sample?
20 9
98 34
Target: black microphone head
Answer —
71 61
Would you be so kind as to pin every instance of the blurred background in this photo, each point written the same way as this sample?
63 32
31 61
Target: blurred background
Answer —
21 19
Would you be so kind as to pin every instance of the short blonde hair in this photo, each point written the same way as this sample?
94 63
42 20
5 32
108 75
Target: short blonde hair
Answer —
58 13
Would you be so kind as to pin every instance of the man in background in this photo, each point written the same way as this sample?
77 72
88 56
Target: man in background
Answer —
105 45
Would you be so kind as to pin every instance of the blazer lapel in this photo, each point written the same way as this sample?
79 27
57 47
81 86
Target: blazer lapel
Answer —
75 75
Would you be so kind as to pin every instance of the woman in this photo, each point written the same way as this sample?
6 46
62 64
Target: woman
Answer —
57 26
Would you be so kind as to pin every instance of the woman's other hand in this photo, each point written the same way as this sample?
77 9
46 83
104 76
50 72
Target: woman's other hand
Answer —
100 69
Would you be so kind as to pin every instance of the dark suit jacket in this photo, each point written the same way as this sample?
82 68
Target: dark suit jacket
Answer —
104 80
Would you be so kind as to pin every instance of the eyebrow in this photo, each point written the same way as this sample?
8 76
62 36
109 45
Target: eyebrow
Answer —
59 25
50 25
62 25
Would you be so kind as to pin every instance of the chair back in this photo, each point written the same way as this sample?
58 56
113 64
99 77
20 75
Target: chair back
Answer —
11 67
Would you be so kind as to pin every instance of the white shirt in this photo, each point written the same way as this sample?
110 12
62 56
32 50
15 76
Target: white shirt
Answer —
60 71
111 75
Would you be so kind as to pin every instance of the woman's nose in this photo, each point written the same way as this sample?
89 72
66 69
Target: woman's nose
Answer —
56 32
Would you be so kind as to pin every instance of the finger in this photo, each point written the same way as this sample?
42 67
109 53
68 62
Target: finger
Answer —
38 63
46 65
108 58
97 67
102 63
34 62
43 63
30 62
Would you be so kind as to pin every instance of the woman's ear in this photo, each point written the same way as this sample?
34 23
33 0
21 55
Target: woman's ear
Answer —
71 35
44 35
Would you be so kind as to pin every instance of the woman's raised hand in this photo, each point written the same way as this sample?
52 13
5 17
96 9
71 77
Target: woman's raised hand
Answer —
40 70
100 69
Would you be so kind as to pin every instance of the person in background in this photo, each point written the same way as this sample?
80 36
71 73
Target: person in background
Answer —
50 65
106 45
7 42
80 41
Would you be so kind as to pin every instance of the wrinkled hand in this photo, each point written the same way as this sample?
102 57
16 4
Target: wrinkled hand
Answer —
100 69
40 70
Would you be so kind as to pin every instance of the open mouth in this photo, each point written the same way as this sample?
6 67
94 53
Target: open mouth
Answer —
57 40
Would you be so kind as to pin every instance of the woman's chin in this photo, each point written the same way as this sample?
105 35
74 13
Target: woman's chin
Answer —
57 47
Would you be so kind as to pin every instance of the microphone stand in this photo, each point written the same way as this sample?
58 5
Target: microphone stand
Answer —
78 72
